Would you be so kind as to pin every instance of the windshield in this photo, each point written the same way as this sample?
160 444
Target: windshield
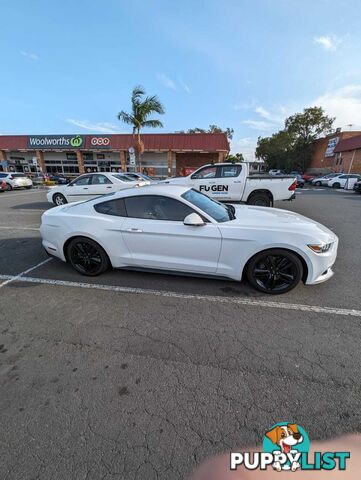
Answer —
216 210
18 175
123 177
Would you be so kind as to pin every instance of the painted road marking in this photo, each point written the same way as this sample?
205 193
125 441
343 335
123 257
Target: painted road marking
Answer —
14 278
20 228
185 296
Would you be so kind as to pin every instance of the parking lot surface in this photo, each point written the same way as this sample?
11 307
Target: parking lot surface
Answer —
142 376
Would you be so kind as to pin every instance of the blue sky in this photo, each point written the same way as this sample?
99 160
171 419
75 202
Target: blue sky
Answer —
69 66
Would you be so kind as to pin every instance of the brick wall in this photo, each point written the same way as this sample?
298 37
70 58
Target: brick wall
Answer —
346 157
189 159
320 163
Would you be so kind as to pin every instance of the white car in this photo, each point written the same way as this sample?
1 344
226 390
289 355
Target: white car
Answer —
16 180
90 186
319 181
139 176
177 229
232 182
340 180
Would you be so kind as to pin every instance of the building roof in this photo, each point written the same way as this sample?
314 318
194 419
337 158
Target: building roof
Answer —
348 144
213 142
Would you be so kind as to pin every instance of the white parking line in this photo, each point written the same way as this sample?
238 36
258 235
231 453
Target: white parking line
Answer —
163 293
13 278
20 228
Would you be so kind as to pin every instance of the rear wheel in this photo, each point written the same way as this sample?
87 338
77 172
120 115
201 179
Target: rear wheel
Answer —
318 184
261 199
8 187
29 187
59 199
274 271
87 257
336 185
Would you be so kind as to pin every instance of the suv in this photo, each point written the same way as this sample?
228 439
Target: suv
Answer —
15 180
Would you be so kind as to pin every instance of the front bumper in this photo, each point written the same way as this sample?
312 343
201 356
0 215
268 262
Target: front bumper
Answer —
321 265
323 277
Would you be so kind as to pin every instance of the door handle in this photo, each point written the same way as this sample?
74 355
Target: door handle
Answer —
85 188
134 230
109 187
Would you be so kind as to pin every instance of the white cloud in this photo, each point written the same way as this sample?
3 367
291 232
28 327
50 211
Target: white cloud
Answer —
263 113
32 56
260 125
98 127
185 86
344 104
246 146
166 81
328 42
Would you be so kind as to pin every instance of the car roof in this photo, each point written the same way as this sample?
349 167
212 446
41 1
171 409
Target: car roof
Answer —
156 189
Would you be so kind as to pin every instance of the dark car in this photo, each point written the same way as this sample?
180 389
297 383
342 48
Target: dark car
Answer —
357 186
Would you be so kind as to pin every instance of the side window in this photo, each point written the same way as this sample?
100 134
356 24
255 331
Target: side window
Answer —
112 207
78 182
230 171
3 175
100 180
153 207
343 176
205 173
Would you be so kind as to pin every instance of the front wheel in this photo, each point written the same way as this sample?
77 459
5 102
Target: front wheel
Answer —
274 271
87 257
8 187
336 185
318 184
260 199
59 199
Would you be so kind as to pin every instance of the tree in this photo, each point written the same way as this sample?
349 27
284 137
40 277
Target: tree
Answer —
213 129
142 108
291 148
238 157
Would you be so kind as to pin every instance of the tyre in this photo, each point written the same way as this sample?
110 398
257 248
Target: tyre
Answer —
59 199
336 185
318 184
8 187
29 187
87 257
261 199
274 271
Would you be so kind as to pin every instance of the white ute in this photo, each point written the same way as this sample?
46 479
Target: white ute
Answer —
232 182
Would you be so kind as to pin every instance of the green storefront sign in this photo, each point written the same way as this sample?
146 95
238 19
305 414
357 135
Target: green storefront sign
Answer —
49 142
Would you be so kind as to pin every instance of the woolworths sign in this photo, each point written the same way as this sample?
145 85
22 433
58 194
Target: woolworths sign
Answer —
48 142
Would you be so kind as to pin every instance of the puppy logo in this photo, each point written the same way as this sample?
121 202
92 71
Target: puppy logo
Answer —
286 441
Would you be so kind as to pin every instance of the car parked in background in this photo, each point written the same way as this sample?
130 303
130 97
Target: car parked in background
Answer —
275 171
42 178
139 176
357 186
323 179
340 180
307 177
91 185
178 229
16 180
300 181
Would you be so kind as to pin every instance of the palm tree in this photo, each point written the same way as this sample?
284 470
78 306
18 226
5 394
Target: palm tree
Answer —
142 108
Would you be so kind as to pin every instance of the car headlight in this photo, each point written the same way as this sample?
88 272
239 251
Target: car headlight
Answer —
320 248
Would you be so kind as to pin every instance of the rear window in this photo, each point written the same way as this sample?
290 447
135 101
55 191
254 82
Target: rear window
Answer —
112 207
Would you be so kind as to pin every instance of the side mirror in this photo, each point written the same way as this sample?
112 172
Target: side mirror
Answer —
193 220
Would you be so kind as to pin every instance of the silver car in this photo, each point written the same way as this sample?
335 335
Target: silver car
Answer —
318 181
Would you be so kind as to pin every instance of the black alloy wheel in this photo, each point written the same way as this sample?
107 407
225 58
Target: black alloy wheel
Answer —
59 199
87 257
274 271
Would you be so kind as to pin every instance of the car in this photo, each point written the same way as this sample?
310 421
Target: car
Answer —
42 178
357 186
341 179
232 182
276 171
300 181
3 186
307 177
16 180
323 179
90 186
178 229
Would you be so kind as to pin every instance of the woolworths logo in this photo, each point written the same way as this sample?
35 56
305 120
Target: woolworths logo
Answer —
56 141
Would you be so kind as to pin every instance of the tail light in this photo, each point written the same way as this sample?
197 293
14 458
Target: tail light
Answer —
293 186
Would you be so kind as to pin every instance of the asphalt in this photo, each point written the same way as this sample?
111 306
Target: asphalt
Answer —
106 384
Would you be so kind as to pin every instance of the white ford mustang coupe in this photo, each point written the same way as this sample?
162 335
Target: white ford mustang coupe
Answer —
177 229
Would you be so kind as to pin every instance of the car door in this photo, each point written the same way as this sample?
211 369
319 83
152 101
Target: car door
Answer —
156 236
101 184
207 180
79 189
230 176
